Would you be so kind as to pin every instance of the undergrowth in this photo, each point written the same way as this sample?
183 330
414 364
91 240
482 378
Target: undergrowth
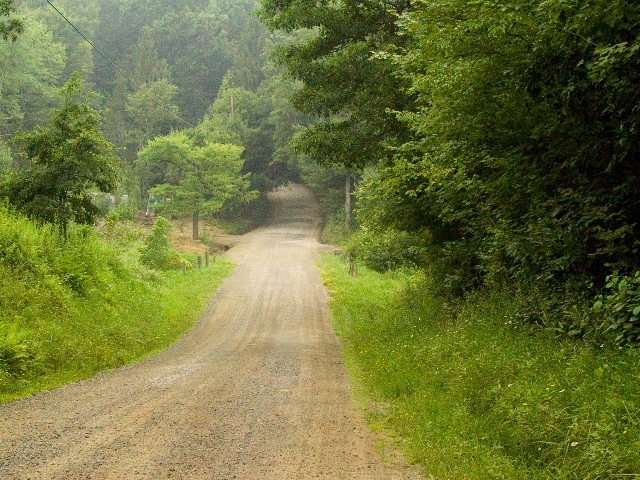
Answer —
72 307
473 394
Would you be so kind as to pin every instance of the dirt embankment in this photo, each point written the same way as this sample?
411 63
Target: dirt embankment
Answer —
256 391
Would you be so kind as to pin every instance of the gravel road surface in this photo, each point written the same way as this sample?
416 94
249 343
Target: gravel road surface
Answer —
256 391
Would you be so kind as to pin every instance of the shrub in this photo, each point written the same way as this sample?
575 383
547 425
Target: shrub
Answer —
157 251
74 305
127 210
621 307
388 250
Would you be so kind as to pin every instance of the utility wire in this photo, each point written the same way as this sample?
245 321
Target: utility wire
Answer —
119 69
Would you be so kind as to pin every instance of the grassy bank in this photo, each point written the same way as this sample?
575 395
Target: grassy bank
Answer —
72 307
471 394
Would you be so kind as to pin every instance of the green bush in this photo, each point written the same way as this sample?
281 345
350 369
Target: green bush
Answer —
620 308
389 250
157 251
127 210
72 306
120 229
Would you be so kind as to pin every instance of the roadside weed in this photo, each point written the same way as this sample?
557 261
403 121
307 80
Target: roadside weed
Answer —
472 395
72 307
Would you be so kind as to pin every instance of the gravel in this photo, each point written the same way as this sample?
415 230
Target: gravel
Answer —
257 390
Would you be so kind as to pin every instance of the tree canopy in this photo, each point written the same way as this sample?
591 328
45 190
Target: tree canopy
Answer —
502 138
351 90
10 26
68 159
194 180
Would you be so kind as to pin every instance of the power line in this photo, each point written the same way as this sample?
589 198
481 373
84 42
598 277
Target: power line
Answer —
118 69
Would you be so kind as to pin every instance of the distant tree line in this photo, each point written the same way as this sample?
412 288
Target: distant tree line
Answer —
163 70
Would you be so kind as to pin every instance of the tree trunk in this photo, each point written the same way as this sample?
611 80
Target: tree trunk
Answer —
195 225
347 202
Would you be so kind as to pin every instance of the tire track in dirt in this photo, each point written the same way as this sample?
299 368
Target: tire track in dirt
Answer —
256 391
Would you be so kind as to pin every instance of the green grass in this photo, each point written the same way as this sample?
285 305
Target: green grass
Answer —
470 394
71 308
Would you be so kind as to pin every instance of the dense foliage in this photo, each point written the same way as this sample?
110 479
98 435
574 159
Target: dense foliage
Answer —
157 251
66 159
72 306
158 67
530 164
353 91
505 140
205 180
10 27
473 394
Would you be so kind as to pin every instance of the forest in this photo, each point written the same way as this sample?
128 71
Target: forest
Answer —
172 76
493 151
495 144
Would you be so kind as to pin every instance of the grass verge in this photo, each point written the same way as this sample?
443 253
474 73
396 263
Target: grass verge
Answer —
72 307
473 395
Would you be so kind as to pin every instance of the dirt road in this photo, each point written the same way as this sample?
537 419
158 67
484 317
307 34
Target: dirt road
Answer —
256 391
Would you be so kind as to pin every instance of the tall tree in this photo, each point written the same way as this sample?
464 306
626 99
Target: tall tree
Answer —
283 123
68 159
247 41
530 112
211 180
163 159
84 14
116 125
351 89
152 112
147 65
30 70
196 46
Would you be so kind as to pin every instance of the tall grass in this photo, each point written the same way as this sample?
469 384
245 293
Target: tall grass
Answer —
474 395
72 307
